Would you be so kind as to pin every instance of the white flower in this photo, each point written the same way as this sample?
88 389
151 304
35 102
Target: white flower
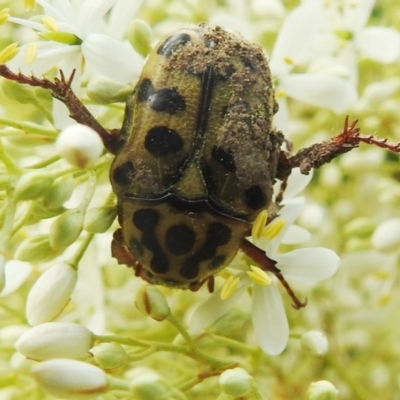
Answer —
346 35
55 340
292 47
236 382
314 342
322 390
78 31
70 379
387 235
306 265
50 293
80 145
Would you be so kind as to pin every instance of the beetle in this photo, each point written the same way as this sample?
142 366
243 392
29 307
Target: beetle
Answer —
197 156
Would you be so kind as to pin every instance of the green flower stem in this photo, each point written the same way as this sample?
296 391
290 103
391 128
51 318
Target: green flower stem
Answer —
359 393
234 344
90 189
29 127
196 354
6 231
7 161
178 326
46 162
76 258
117 384
140 355
190 383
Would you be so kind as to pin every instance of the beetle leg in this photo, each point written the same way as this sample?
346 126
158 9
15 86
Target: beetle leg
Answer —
322 153
61 90
267 264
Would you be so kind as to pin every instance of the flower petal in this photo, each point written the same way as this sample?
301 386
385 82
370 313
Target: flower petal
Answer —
296 235
356 14
300 27
321 90
296 183
214 308
308 265
379 43
115 60
16 273
121 16
270 324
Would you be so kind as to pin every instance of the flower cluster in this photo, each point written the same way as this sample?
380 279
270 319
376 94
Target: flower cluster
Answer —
77 325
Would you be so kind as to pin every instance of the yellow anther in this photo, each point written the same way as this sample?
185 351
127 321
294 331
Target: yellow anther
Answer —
258 276
31 52
229 287
274 228
30 4
280 94
259 224
50 24
385 299
4 15
288 60
381 274
8 53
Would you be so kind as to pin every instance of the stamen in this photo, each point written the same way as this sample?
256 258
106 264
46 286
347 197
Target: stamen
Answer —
259 224
258 276
50 24
31 53
30 4
229 287
273 229
4 15
9 53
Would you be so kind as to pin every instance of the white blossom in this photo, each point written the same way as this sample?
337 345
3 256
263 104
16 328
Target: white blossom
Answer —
80 145
306 265
55 340
70 379
50 293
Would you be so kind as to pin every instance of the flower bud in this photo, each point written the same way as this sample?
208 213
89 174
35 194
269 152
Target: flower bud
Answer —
34 249
70 379
104 91
55 340
59 192
236 382
32 185
66 228
314 342
321 390
50 293
80 145
150 301
109 356
99 219
387 235
140 36
147 385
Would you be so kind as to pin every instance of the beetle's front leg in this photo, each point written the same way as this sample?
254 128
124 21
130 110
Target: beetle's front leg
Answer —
61 90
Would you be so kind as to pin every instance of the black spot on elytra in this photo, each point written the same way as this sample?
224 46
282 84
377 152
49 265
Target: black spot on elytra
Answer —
224 157
167 100
124 173
173 43
161 141
255 198
216 262
217 235
179 239
145 89
146 221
